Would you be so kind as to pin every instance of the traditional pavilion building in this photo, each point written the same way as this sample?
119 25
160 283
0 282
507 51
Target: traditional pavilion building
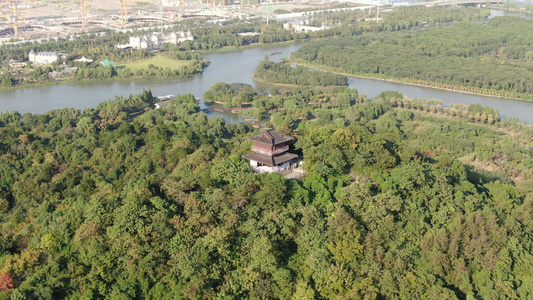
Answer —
270 152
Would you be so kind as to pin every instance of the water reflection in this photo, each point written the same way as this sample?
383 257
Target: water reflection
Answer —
237 66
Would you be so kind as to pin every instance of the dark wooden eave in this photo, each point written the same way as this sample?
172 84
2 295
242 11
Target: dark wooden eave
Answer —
271 137
270 160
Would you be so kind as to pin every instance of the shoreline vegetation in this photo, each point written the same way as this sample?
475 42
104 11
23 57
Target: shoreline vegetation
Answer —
496 60
213 38
283 73
156 67
252 46
204 61
74 80
260 80
395 80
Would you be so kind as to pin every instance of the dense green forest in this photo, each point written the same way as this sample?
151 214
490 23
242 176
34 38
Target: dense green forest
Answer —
404 17
344 23
283 73
495 59
234 94
107 203
71 70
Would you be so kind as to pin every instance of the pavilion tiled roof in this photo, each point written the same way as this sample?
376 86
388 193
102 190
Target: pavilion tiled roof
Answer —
271 137
163 103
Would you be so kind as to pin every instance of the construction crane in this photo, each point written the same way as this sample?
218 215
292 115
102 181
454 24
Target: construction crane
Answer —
15 16
83 14
181 9
168 6
124 11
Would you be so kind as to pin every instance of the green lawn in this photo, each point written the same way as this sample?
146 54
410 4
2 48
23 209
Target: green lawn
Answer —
158 61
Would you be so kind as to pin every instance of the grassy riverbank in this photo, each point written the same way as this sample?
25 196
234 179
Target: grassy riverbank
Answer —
249 46
75 80
283 73
156 67
158 61
268 83
418 82
495 60
291 86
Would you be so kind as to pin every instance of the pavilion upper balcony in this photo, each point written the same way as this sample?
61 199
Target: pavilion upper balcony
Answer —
270 152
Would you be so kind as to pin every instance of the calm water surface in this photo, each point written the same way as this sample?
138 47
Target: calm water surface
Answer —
228 67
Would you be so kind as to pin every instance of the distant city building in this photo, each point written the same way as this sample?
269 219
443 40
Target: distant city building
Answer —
172 3
163 101
151 42
249 33
299 16
16 65
295 27
400 3
66 72
162 104
156 40
84 59
44 58
180 36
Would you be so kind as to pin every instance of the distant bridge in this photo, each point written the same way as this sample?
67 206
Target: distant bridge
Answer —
477 3
11 31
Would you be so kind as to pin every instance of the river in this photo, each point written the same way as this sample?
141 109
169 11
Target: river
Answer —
229 67
236 66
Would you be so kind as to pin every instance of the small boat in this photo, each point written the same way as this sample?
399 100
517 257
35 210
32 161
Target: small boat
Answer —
274 53
249 119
